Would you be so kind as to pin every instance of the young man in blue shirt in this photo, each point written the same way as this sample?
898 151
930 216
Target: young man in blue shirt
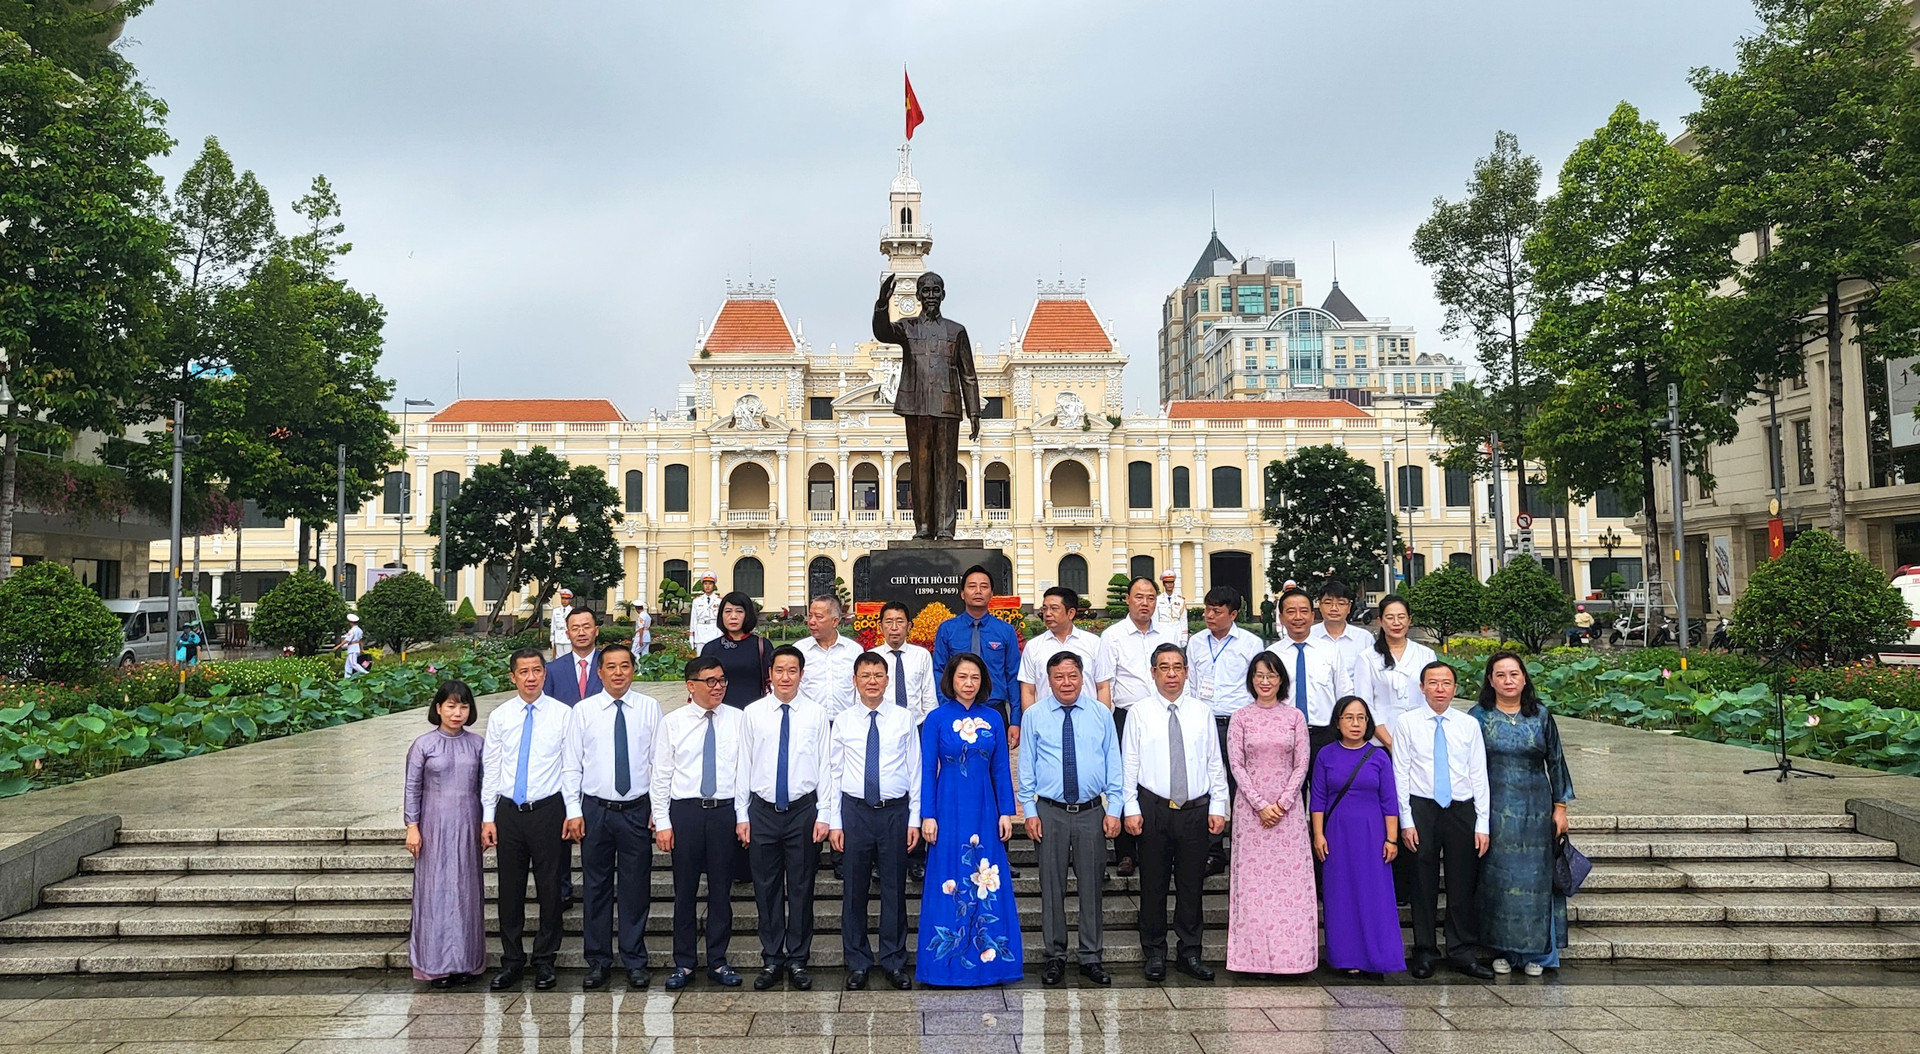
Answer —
988 636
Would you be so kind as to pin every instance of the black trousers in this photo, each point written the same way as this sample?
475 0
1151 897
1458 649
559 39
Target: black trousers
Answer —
1317 736
1124 844
616 862
530 841
933 441
1173 845
876 841
703 844
1446 836
785 860
1217 843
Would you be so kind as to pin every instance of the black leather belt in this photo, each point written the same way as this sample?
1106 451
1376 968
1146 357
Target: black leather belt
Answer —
528 807
1200 802
610 805
1064 807
857 800
706 803
802 802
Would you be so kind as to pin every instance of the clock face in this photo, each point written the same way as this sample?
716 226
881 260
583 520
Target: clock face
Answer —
906 305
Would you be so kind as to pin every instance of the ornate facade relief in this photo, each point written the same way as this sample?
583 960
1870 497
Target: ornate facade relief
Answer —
1069 411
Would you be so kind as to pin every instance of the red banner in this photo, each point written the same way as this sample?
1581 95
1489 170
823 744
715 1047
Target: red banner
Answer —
915 115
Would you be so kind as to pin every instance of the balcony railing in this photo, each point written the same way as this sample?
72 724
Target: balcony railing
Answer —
749 515
866 516
1072 512
822 516
999 515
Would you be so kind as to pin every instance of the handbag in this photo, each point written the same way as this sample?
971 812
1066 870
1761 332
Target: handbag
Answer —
1570 868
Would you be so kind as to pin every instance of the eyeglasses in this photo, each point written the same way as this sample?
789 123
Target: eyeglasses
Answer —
1169 665
711 682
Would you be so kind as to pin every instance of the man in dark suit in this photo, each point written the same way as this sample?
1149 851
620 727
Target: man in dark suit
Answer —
576 675
937 388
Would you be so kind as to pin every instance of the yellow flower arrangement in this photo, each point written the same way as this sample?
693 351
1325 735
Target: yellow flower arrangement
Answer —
927 623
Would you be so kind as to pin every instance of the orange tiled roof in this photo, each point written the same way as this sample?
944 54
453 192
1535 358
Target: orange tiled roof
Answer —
1224 409
507 410
750 325
1064 325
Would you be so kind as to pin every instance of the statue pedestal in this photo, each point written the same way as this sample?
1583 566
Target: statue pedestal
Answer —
919 571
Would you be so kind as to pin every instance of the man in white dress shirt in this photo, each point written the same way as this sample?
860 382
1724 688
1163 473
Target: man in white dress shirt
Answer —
1317 673
615 730
1176 799
1440 770
1217 662
1059 606
1129 645
1170 609
874 758
699 814
529 810
786 756
828 680
1336 606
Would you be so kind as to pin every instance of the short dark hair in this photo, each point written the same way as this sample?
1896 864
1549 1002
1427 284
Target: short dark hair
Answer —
1148 579
1067 596
1296 591
1272 662
976 569
788 649
1222 597
1335 589
513 661
589 612
456 690
1340 707
895 605
744 603
618 645
1064 655
869 658
946 676
700 664
1153 661
1437 664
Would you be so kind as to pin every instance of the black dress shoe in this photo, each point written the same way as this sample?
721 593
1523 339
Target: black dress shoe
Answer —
900 979
766 978
1193 967
724 975
1055 971
917 871
461 980
857 981
598 974
442 982
678 978
1215 865
800 978
1126 867
1474 968
639 977
543 977
1156 969
1096 973
1420 971
508 977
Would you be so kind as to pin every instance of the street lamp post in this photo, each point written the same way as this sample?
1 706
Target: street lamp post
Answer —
406 480
1610 540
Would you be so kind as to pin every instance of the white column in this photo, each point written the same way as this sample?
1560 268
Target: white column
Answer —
1199 573
466 584
641 584
1176 562
888 486
713 498
976 491
781 516
1252 490
653 489
1106 490
842 492
1165 500
1202 483
1039 487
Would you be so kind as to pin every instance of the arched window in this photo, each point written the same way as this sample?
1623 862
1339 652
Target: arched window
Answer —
749 577
903 487
677 498
1140 567
1070 487
1226 487
866 489
862 579
1182 488
1139 485
676 571
749 488
906 219
636 490
820 496
1073 573
1460 560
820 576
1411 481
959 486
398 498
446 487
997 487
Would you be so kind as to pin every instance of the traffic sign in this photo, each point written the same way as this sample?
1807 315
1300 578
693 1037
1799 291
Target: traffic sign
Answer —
1523 540
1524 521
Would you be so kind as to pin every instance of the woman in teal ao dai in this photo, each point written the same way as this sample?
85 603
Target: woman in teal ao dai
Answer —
1522 920
969 924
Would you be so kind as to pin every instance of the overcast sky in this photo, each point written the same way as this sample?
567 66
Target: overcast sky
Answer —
560 191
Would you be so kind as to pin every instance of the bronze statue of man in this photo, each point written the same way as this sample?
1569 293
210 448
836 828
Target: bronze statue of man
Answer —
937 388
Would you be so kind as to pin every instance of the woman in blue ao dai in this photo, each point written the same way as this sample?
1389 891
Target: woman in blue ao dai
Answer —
969 924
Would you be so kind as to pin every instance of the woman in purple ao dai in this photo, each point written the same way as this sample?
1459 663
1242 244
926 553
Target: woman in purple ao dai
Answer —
448 946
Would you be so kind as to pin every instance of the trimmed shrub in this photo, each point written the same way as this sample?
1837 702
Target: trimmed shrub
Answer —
404 609
1526 603
1819 603
303 612
53 627
1446 601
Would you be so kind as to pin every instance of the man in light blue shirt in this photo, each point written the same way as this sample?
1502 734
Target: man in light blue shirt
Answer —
1070 789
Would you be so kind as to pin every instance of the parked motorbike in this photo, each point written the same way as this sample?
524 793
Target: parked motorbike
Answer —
1720 641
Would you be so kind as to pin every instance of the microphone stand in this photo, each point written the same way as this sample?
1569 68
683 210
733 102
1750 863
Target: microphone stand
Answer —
1783 764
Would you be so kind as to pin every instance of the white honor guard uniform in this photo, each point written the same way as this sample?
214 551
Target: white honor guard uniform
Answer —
703 620
557 623
1170 613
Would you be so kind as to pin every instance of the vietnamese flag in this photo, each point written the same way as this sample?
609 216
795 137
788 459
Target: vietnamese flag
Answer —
915 115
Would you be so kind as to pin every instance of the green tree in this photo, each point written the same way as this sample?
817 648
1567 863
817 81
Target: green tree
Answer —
1625 274
1446 601
1526 603
1819 603
53 627
534 517
304 612
464 615
674 598
84 247
404 609
1327 509
1802 140
1117 596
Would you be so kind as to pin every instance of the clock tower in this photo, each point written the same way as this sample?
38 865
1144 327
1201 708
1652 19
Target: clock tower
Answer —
907 239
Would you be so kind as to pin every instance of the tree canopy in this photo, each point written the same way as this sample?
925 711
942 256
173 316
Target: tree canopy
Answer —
1329 515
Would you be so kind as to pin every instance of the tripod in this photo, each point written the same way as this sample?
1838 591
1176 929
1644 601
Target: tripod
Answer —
1784 763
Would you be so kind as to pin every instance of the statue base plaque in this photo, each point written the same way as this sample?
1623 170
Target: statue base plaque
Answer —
920 571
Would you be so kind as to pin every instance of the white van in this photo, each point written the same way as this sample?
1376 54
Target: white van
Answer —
143 627
1907 581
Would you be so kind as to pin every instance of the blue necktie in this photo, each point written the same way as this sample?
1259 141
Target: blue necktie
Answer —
976 637
526 754
780 773
873 758
622 768
1442 772
899 677
1300 680
1069 759
709 758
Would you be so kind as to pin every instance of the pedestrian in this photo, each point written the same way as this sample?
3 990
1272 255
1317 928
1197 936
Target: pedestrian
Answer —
874 820
785 767
530 811
1175 788
557 622
1217 661
1393 666
703 615
969 921
1522 919
1070 789
1059 606
1273 923
700 818
1269 612
642 630
1130 644
447 943
745 656
1356 836
1440 775
351 641
615 728
978 632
